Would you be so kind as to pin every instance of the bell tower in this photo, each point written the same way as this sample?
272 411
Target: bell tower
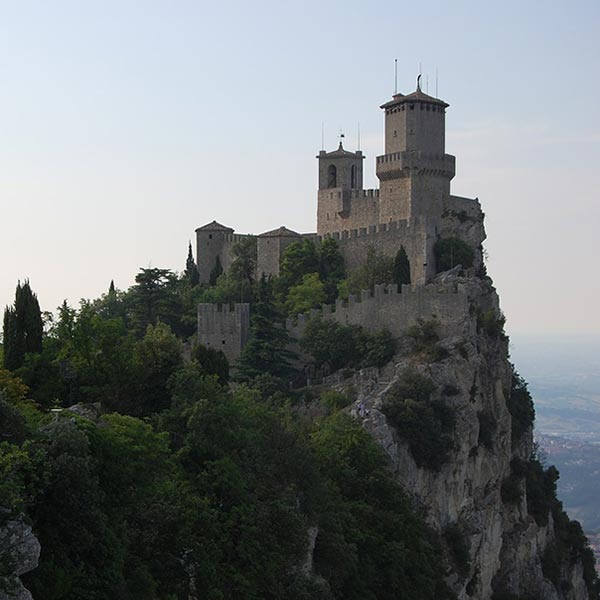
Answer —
340 169
340 176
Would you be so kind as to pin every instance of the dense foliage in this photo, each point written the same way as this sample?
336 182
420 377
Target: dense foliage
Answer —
425 423
334 346
452 251
520 406
214 496
174 485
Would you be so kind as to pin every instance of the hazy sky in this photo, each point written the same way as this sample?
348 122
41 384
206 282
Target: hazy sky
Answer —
125 125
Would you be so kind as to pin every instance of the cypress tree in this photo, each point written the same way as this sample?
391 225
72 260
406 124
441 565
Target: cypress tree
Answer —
216 272
23 327
401 269
191 270
28 309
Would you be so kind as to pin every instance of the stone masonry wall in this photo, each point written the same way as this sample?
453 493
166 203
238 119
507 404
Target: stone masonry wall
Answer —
386 308
416 235
224 328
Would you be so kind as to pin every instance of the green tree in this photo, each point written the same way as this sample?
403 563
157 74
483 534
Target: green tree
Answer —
216 272
155 297
243 265
156 357
371 545
191 270
23 327
266 350
331 267
335 346
211 361
376 269
308 294
401 268
452 251
299 259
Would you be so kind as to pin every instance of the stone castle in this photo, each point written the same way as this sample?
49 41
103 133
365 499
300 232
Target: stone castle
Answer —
413 207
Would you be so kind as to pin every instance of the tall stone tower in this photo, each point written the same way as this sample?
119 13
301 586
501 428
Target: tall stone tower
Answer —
213 241
415 171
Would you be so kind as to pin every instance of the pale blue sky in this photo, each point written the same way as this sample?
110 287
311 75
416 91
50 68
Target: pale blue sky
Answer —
125 125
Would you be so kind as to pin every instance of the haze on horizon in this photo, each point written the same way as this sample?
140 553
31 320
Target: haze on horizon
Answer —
126 125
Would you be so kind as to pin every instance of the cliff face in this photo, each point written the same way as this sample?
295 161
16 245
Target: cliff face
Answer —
471 375
19 554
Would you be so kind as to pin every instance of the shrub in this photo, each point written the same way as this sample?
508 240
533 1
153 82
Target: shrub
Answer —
340 346
334 401
425 337
541 490
520 406
510 490
453 251
212 362
490 323
458 547
425 424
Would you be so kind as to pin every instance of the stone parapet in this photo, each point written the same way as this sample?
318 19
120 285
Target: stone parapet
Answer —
402 164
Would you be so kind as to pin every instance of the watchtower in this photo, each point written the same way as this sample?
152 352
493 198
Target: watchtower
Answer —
213 242
415 171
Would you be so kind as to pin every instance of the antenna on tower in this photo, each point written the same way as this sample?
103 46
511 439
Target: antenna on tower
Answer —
322 135
395 76
359 135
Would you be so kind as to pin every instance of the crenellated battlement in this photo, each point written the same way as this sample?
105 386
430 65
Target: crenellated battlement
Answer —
211 309
400 164
401 227
387 307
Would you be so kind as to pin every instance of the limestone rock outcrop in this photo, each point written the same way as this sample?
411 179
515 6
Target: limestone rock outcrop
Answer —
505 544
19 554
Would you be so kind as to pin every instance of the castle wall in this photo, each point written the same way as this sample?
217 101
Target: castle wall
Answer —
346 209
269 252
224 328
386 308
416 235
209 245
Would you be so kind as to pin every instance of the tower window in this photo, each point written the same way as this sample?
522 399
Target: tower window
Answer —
412 106
332 176
402 108
353 175
210 236
395 133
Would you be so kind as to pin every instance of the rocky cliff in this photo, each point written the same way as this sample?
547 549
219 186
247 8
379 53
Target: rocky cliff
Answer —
478 488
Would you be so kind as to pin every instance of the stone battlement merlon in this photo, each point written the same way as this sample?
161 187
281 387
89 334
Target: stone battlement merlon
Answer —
213 308
400 164
403 225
